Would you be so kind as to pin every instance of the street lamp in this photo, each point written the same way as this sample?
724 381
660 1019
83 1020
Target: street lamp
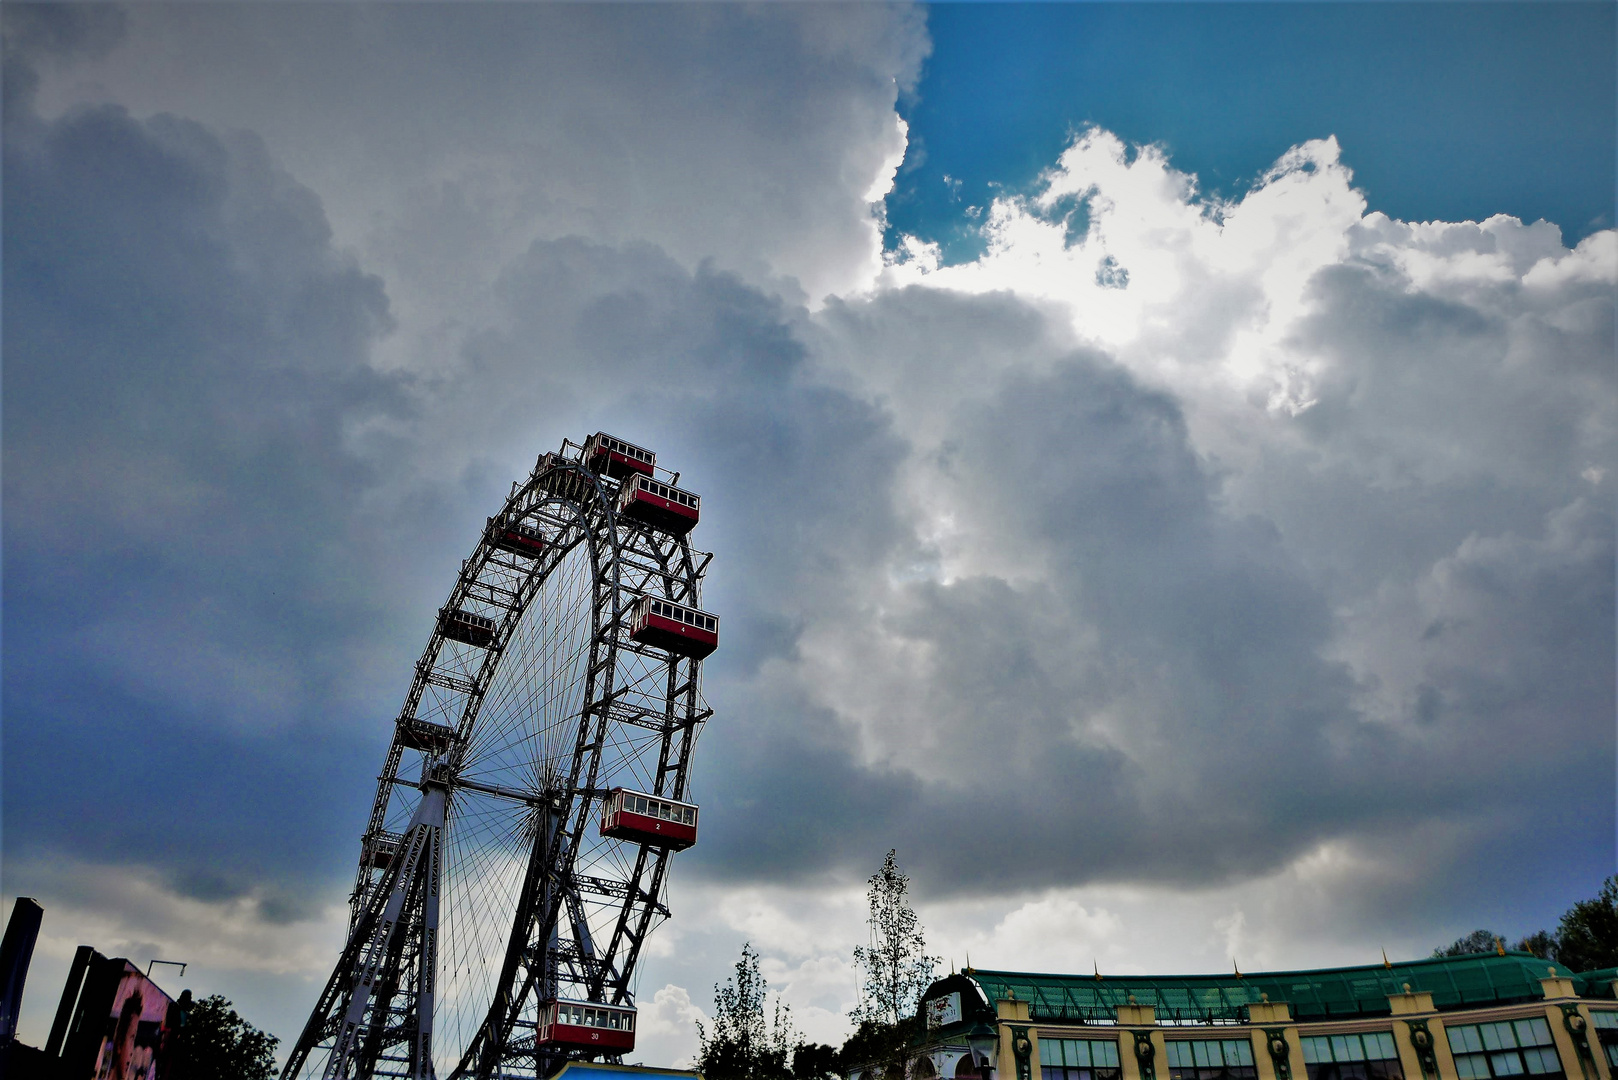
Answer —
983 1041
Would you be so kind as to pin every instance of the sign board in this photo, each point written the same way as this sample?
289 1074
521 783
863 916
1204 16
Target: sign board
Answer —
113 1024
139 1028
945 1010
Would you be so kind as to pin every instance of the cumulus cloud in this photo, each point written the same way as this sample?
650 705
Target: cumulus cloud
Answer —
1172 504
263 946
754 136
665 1026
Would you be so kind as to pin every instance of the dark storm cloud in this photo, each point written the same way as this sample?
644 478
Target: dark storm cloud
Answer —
186 360
52 33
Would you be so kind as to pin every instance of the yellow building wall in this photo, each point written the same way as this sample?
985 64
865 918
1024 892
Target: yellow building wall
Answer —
1129 1068
1416 1006
1446 1060
1262 1061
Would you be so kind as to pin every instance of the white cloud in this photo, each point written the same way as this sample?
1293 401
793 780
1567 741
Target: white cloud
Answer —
1319 353
662 125
666 1025
258 948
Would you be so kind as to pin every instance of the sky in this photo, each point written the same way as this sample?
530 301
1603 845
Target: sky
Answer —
1159 460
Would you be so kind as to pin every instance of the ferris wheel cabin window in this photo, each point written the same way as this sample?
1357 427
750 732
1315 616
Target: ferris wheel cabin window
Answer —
646 819
608 1017
659 505
518 538
617 458
466 627
676 628
597 1028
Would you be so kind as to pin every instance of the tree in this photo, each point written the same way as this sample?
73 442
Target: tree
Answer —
897 967
1478 941
1585 940
1587 937
1541 943
814 1061
877 1043
743 1045
215 1043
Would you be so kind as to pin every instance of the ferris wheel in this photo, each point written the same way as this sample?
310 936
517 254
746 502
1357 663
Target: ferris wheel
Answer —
517 852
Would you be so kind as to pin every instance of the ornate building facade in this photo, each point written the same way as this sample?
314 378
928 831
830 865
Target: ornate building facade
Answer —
1498 1016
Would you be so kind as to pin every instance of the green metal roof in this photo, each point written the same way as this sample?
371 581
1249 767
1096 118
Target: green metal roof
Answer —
1595 984
1455 982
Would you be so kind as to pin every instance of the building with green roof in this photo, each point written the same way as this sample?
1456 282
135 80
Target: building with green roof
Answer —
1493 1016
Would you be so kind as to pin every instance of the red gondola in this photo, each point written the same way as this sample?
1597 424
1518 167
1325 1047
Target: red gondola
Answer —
604 453
664 624
587 1025
517 538
380 849
466 627
660 505
424 735
649 819
564 483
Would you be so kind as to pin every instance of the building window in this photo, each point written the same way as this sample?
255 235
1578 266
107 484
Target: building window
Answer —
1078 1059
1606 1025
1367 1056
1508 1049
1211 1059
